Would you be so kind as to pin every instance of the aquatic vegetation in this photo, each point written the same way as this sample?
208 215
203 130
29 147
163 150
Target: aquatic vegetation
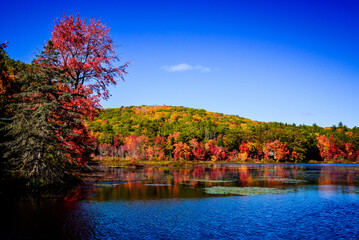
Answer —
108 183
104 185
158 185
356 191
283 180
214 181
246 191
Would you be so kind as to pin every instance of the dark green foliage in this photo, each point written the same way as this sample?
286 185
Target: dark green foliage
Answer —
10 73
34 153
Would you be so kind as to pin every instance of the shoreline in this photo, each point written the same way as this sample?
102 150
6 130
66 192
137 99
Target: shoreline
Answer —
115 163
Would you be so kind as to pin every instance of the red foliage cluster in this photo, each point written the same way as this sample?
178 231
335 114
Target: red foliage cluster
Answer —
279 150
198 150
182 151
216 152
243 148
86 52
332 149
161 148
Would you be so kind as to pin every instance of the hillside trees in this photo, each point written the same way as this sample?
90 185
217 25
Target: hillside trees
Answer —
232 138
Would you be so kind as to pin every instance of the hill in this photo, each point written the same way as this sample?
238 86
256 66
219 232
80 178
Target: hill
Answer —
166 132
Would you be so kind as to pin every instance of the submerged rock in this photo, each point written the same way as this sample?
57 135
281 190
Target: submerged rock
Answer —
246 191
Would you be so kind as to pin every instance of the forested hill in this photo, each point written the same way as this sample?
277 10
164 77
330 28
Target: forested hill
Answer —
165 132
164 120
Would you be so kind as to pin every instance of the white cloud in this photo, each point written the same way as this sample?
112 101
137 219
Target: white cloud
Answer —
185 67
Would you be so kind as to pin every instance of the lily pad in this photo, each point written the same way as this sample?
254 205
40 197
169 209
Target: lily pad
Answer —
214 181
158 184
108 183
356 191
246 191
283 180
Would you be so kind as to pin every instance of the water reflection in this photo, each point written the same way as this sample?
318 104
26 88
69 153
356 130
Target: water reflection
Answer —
172 182
169 203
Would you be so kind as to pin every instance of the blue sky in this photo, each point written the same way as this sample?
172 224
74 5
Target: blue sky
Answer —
285 61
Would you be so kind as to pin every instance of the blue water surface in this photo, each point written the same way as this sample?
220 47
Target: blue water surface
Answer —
306 214
325 206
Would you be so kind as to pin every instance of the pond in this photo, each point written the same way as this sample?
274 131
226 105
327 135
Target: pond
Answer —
214 201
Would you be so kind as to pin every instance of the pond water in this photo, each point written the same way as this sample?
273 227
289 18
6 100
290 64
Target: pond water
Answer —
320 202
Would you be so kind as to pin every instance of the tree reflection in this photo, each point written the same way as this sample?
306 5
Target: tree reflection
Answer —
174 182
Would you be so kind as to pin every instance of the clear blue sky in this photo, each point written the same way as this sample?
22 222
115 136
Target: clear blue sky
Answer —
286 61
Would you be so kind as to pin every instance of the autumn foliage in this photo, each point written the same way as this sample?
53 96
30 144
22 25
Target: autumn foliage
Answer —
279 150
58 92
83 51
86 53
334 149
178 133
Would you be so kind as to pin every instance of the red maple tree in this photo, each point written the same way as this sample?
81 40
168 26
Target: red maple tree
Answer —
84 52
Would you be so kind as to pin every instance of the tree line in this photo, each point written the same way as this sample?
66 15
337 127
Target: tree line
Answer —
174 133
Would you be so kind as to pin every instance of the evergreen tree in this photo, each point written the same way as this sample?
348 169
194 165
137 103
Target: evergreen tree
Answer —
34 152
